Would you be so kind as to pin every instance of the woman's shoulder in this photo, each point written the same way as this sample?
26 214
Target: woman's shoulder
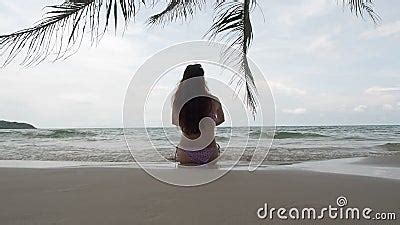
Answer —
216 104
214 98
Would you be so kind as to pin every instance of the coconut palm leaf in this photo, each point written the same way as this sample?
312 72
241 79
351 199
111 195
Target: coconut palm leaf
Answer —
232 24
60 32
177 9
360 7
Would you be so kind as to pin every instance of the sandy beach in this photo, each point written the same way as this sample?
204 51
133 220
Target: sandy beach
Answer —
129 196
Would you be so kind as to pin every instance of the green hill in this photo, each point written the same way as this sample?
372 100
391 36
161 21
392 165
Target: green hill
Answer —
15 125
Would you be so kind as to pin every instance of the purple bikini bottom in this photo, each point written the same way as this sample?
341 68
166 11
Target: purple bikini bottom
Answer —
201 156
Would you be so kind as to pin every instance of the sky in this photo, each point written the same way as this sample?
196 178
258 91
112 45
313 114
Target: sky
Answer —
324 65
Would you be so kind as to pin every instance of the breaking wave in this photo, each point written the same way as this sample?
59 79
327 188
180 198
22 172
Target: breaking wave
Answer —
391 146
286 135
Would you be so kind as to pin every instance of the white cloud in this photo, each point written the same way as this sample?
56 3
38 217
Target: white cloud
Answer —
387 107
382 90
323 46
380 97
302 10
295 111
322 43
383 31
360 108
286 89
79 97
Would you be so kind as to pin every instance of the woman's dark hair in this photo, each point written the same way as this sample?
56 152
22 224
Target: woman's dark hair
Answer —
196 108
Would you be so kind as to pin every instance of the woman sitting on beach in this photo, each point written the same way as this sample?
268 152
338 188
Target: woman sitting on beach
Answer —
196 112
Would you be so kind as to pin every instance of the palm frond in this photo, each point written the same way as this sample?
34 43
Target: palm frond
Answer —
177 9
360 7
61 30
232 24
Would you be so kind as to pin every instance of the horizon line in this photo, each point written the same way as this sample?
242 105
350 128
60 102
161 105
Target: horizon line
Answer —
284 125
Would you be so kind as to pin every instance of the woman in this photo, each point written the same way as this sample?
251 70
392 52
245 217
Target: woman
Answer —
192 106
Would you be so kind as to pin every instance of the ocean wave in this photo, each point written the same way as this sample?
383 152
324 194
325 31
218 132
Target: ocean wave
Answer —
391 147
67 134
286 135
222 138
356 138
61 133
283 135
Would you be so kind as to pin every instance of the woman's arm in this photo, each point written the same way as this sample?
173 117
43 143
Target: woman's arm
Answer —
220 114
175 118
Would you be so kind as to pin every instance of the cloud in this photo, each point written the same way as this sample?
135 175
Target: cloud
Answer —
286 89
295 111
387 107
382 90
384 98
360 108
79 98
300 11
386 30
323 46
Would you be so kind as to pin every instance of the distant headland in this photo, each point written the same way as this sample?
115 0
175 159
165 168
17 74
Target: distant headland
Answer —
15 125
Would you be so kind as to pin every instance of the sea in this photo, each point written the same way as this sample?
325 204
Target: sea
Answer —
291 144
